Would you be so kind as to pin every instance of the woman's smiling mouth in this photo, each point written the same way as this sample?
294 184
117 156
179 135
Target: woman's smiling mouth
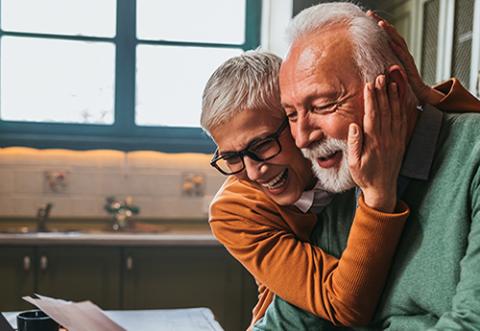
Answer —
276 182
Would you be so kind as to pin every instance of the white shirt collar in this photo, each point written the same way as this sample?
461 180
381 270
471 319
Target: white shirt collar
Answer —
306 200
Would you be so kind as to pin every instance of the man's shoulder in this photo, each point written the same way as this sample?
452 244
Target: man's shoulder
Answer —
462 129
458 147
463 117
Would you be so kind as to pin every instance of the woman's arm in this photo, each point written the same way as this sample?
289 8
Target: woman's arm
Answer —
257 233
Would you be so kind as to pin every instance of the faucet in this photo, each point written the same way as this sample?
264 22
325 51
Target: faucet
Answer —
121 211
42 216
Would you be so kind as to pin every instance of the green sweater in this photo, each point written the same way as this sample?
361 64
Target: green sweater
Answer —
434 282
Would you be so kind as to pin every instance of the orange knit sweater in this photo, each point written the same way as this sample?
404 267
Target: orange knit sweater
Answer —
271 242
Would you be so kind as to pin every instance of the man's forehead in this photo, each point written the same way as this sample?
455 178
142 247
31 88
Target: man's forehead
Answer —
319 45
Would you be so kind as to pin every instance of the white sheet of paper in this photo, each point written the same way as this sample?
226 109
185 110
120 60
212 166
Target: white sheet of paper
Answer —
75 316
5 324
187 319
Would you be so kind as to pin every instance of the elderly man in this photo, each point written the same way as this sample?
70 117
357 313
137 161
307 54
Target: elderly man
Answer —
434 282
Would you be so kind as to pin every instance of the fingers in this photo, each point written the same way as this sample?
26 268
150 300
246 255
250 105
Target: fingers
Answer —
382 103
374 15
399 46
397 42
399 117
393 34
370 123
382 106
354 146
395 37
394 103
384 120
398 125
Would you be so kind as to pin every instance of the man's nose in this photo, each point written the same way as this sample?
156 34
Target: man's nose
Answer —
254 169
305 132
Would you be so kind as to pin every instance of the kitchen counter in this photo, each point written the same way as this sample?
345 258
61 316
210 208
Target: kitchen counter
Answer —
98 238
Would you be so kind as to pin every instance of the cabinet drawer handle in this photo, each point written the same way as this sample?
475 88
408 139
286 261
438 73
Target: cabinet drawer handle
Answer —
27 262
129 263
43 263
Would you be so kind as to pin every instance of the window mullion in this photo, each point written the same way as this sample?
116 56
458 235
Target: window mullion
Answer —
445 40
475 67
125 66
252 24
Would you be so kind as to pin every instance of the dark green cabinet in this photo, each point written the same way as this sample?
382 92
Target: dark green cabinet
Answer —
72 273
182 277
17 276
80 273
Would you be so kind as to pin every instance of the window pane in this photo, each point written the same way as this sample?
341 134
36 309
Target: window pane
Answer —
170 82
430 41
462 40
72 17
216 21
46 80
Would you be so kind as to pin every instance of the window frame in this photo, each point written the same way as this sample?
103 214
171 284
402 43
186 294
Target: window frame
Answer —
446 29
123 134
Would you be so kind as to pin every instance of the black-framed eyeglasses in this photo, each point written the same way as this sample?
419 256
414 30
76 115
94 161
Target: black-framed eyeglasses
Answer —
264 149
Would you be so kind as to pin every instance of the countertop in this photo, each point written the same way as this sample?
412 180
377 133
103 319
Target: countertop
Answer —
167 238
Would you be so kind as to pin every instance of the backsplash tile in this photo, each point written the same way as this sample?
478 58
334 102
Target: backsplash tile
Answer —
6 180
6 205
83 182
140 184
113 183
87 207
167 185
28 181
153 179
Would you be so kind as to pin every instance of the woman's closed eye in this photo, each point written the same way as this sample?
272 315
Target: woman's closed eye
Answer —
264 148
232 158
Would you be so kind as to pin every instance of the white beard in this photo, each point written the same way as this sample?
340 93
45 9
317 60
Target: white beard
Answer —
331 179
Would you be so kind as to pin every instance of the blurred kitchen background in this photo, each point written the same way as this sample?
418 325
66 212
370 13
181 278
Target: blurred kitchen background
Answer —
100 142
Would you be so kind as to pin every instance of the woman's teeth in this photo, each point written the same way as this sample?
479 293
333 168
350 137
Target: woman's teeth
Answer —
277 181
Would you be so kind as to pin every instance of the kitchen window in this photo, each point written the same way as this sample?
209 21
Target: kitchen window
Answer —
122 74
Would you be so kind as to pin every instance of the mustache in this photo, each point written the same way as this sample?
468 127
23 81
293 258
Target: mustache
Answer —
325 148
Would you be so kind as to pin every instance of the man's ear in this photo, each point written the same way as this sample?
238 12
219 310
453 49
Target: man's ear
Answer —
397 74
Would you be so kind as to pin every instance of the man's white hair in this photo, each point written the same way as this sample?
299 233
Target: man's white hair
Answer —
245 82
372 53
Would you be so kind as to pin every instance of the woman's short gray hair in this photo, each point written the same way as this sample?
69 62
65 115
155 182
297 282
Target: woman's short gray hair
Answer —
245 82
